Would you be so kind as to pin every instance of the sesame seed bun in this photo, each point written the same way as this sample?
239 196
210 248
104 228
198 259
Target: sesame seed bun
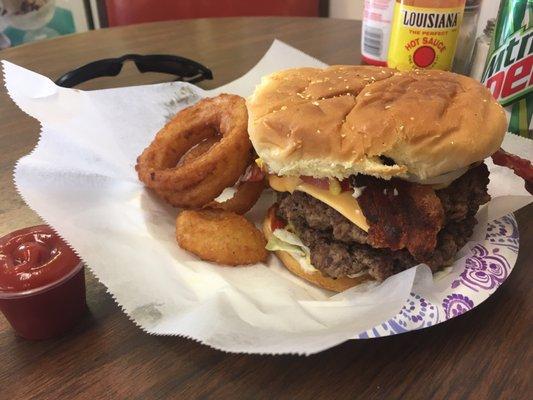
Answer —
338 121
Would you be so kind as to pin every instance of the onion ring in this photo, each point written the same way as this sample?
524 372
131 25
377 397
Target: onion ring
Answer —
244 198
200 179
198 150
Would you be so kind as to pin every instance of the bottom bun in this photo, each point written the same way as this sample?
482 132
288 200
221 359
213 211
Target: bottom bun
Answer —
315 277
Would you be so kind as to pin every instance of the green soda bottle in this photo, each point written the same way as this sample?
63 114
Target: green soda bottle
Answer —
509 66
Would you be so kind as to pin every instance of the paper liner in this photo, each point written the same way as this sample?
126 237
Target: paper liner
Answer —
80 179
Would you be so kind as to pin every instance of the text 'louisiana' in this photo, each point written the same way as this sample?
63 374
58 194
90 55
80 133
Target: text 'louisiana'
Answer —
430 20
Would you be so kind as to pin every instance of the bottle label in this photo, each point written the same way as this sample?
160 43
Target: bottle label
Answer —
423 37
508 70
377 22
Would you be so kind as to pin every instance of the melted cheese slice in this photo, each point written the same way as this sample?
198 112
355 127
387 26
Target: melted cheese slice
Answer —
344 202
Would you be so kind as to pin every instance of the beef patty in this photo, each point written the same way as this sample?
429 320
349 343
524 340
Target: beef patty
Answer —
340 248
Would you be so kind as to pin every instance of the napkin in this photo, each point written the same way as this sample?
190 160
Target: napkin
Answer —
80 179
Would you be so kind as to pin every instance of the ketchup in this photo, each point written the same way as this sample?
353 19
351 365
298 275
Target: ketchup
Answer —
42 283
34 257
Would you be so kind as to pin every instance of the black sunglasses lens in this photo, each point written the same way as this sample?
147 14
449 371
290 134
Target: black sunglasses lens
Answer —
90 71
111 68
168 67
182 68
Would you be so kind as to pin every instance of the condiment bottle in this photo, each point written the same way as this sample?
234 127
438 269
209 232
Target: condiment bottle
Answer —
377 19
467 37
424 33
481 50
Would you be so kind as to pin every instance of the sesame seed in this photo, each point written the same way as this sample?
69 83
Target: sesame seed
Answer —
315 103
401 127
368 94
347 87
343 135
318 131
387 107
283 108
330 88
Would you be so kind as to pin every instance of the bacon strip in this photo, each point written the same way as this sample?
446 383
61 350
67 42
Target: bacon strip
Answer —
401 215
520 166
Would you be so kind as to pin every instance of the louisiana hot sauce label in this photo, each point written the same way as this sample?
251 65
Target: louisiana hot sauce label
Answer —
423 37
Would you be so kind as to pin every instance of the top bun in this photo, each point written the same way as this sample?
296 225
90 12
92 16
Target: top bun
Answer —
338 121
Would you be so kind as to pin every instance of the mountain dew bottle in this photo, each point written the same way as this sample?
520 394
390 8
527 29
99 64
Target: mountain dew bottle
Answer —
508 70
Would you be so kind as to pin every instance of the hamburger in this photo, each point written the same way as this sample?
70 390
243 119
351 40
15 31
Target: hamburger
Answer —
375 170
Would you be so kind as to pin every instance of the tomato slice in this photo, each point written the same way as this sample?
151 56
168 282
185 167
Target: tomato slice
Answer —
277 223
321 183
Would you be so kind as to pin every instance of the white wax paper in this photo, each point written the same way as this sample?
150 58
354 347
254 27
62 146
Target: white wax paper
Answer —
81 180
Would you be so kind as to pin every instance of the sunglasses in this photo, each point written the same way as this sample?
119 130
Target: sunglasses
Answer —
184 69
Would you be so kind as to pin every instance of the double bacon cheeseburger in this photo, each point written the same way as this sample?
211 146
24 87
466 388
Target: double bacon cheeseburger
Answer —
375 170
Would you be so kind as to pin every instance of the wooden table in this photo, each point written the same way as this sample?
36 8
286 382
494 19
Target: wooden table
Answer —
484 354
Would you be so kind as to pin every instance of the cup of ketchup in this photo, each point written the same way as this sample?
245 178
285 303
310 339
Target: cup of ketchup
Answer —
42 283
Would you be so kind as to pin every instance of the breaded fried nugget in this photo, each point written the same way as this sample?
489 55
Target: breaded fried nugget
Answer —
220 236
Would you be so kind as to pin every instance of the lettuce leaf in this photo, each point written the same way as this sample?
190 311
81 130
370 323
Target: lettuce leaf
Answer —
284 240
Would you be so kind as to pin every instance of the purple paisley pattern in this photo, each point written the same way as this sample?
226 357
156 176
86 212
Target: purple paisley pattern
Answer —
456 304
504 232
417 311
483 272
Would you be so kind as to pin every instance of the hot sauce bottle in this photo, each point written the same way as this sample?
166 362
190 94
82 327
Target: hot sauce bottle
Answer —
424 34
